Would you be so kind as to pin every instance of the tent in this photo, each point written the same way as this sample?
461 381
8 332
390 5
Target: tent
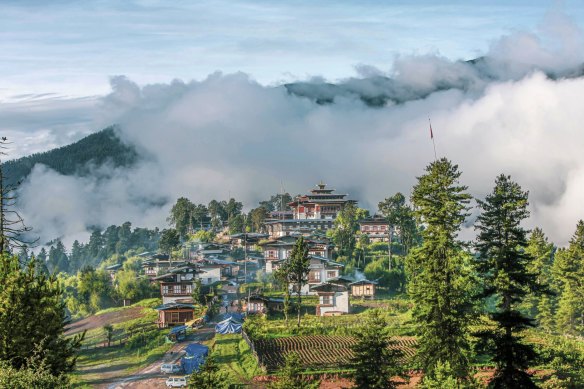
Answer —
228 326
196 354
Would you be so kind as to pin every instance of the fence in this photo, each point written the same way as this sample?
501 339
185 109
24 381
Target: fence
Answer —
253 350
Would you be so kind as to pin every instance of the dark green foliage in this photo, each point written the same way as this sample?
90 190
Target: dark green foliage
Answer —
345 226
298 268
37 377
568 271
236 224
440 272
278 202
282 277
375 363
290 377
182 216
402 223
78 158
208 376
94 290
169 240
503 265
58 260
32 319
257 218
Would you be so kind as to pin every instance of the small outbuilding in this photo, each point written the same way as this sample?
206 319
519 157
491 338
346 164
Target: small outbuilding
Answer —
173 314
363 288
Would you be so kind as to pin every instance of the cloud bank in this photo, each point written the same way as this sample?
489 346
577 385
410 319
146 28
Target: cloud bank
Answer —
517 111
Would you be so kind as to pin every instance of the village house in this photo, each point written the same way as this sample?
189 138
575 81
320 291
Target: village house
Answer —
261 304
321 270
315 211
280 249
375 227
177 285
333 299
160 264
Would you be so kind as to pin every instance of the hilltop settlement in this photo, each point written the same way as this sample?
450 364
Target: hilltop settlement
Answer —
313 291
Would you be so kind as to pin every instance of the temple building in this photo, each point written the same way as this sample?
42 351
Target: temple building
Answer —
311 212
375 227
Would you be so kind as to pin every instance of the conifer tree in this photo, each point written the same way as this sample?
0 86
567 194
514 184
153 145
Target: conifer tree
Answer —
542 252
568 270
298 268
440 272
376 363
503 264
208 376
32 318
289 377
282 276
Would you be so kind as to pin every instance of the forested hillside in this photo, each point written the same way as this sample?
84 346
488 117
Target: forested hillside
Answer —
99 148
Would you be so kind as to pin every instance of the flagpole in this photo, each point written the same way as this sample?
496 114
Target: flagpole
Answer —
433 142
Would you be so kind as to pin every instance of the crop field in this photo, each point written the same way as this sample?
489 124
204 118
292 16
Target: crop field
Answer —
318 352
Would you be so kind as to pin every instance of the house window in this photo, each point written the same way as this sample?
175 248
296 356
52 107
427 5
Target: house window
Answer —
315 276
331 274
326 300
165 289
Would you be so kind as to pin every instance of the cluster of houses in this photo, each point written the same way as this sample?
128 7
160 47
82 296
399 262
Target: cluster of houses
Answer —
216 265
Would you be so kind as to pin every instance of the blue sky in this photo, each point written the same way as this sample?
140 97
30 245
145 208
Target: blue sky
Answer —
71 48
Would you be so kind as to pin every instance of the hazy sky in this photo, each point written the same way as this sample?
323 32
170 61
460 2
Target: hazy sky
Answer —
72 67
72 47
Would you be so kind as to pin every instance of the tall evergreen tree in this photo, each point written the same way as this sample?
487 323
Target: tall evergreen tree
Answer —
568 270
282 276
181 216
375 361
440 271
540 306
209 376
76 257
32 318
298 268
503 264
289 377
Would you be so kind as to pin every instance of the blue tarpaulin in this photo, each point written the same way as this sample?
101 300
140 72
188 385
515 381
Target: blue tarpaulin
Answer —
196 355
177 329
228 326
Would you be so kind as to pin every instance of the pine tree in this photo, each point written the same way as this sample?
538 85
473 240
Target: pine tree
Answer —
440 272
568 270
542 252
289 377
208 376
298 268
503 264
375 357
32 319
282 276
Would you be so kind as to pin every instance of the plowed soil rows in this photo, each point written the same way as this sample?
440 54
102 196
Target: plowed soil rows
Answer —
318 351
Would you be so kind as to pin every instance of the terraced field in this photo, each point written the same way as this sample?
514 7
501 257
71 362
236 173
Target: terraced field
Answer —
318 351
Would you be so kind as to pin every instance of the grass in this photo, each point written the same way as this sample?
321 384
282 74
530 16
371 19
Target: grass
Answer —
144 345
234 358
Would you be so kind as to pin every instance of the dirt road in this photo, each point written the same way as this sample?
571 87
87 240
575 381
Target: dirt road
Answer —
150 377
